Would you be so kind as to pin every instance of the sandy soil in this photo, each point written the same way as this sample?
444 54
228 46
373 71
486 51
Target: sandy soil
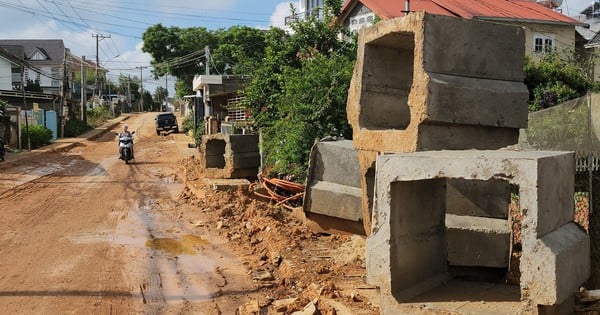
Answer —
83 233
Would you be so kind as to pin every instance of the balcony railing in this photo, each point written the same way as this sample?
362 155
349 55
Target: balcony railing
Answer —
298 17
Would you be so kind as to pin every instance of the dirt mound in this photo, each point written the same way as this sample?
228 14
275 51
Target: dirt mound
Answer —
293 267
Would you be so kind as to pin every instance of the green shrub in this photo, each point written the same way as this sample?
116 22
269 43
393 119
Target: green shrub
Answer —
188 124
39 136
75 127
98 116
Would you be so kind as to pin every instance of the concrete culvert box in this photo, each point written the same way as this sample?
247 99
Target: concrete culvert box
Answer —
230 156
418 80
408 250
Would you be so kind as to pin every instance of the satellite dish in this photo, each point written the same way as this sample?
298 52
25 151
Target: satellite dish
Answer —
552 4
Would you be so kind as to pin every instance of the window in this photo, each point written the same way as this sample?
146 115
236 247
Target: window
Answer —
543 43
359 21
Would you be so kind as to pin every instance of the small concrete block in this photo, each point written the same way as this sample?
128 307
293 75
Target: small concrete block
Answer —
476 241
223 184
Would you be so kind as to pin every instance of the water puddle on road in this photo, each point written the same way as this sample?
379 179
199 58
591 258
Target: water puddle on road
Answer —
187 245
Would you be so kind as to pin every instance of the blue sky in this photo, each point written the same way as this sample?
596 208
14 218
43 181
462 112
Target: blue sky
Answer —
75 21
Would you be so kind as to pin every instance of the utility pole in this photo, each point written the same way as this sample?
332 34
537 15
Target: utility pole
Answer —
24 109
167 91
83 90
141 90
129 90
98 37
205 89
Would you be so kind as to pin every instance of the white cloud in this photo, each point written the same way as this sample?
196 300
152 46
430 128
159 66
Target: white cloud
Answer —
281 11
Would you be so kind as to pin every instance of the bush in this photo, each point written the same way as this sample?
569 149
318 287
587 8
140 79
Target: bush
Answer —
188 124
39 136
75 127
555 78
98 116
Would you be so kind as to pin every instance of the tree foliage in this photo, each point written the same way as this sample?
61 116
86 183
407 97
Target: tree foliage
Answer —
38 136
180 51
299 80
555 77
299 93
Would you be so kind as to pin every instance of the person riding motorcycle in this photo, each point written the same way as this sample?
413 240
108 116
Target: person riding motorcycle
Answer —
126 133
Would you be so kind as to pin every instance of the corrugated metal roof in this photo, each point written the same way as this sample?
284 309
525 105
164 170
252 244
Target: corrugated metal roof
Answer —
482 9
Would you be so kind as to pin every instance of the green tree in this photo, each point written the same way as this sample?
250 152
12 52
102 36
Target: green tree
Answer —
160 96
181 51
178 52
556 77
148 101
299 93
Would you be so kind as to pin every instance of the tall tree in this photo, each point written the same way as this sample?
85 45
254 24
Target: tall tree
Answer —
299 92
160 96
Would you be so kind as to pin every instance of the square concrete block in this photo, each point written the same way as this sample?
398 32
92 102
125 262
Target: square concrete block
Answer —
229 156
418 80
554 240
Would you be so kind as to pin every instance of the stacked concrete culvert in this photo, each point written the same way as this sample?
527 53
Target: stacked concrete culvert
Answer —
426 83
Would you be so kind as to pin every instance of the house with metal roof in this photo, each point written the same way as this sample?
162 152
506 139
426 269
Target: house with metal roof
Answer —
10 71
546 28
44 59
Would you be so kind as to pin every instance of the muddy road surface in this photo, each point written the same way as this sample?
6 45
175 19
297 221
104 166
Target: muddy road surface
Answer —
84 233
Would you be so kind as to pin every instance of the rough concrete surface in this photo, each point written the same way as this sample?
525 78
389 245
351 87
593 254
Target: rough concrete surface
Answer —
333 182
546 259
230 156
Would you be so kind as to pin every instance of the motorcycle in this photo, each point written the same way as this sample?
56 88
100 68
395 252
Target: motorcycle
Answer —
126 147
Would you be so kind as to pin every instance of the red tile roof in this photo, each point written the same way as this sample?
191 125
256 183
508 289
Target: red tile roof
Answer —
471 9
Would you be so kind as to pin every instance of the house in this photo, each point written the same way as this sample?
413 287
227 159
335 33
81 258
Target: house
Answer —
546 28
10 71
222 100
305 9
589 36
45 61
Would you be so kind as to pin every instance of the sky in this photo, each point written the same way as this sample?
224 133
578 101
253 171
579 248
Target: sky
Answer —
123 22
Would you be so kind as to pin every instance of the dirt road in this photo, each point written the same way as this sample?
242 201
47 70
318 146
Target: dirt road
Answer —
83 233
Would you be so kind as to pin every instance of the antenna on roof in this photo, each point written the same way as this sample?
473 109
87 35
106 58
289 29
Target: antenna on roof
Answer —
406 7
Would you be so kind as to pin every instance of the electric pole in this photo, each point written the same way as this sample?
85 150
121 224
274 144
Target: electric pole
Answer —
129 90
141 90
83 90
98 37
205 89
167 92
